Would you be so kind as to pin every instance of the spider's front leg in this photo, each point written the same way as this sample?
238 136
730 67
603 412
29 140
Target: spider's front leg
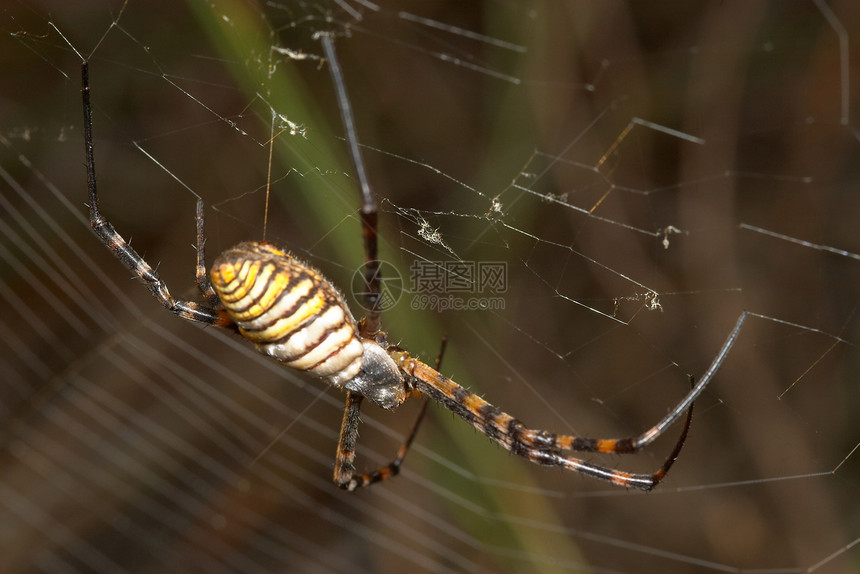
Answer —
188 310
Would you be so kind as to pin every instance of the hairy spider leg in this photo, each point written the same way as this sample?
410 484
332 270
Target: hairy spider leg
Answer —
371 324
368 211
344 468
546 448
186 309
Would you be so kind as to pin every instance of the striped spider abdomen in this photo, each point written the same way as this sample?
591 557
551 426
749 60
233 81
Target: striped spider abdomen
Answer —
293 314
288 310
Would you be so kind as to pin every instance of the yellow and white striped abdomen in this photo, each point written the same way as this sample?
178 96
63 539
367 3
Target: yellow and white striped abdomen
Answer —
289 310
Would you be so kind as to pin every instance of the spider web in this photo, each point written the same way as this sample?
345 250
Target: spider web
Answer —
643 174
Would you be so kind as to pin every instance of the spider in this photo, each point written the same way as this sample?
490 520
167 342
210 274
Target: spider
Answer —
293 314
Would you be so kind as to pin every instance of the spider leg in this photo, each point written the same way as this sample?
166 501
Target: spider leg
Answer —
651 434
546 448
369 210
538 446
344 467
202 276
189 310
640 481
344 473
